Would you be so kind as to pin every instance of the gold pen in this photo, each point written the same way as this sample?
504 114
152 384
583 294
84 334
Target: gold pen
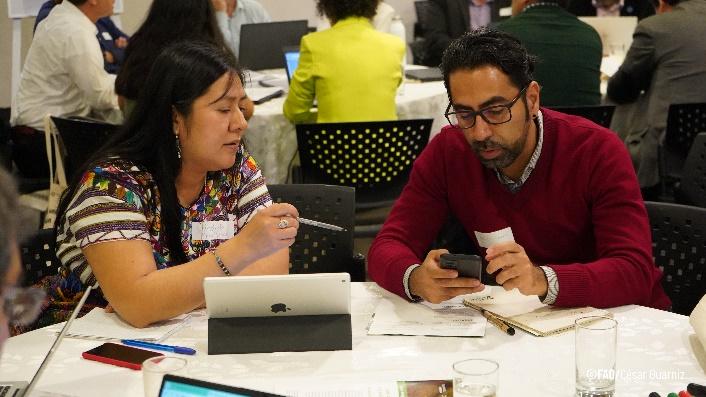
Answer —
493 319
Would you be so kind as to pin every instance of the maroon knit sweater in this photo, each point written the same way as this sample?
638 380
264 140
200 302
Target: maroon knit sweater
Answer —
580 212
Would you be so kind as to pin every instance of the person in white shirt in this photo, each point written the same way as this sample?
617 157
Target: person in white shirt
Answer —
232 14
63 75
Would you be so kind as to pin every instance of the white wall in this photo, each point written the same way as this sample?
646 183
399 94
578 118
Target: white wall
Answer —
135 10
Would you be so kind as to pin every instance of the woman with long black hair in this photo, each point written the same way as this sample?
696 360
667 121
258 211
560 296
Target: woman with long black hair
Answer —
173 197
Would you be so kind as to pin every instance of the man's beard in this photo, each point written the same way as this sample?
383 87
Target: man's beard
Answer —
509 153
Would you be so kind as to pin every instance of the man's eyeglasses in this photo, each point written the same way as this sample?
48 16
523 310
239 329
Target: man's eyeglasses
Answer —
22 305
496 114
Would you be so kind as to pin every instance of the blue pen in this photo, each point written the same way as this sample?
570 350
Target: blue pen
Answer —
157 346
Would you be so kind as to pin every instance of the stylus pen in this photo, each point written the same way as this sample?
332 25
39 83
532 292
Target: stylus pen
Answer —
157 346
320 224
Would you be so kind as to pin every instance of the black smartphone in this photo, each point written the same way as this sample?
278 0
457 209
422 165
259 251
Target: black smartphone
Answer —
120 355
466 265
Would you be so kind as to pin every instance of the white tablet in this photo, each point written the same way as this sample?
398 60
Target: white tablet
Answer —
284 295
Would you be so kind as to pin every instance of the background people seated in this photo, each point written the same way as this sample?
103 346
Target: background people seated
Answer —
611 8
232 14
564 186
137 220
665 64
111 39
449 19
569 51
63 75
352 70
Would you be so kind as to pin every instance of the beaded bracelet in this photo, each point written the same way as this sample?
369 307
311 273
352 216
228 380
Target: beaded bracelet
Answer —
221 264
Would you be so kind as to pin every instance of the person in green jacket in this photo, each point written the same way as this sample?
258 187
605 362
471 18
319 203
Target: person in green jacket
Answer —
569 51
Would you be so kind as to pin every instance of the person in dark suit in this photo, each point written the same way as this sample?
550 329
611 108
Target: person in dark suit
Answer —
446 20
568 49
665 64
623 8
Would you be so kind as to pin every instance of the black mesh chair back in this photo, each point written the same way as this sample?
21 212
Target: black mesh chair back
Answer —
318 250
81 138
679 250
684 121
599 114
373 157
39 257
692 188
421 8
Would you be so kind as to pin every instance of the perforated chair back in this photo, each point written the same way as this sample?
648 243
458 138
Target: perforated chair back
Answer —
373 157
318 250
692 189
679 250
81 138
684 122
599 114
39 257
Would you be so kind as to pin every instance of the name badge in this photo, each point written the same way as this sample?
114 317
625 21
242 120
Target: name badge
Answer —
485 240
212 230
106 36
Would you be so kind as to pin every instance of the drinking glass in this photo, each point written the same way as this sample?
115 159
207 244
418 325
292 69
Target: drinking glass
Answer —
154 369
596 341
475 377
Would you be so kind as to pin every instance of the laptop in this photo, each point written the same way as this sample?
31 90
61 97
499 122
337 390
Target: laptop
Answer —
616 32
177 386
261 43
19 389
424 75
277 296
291 60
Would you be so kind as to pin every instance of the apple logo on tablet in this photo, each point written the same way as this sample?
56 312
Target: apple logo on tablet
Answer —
279 307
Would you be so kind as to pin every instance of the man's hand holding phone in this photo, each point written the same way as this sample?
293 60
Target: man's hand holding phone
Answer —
434 284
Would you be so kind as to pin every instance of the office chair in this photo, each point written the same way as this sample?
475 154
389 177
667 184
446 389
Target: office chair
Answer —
419 44
684 121
599 114
373 157
692 187
679 250
39 257
81 138
318 250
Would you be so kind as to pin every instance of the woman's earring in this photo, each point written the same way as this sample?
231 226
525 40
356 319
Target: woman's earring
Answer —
178 146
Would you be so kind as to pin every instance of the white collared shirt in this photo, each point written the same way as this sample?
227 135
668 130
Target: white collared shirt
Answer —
63 73
246 11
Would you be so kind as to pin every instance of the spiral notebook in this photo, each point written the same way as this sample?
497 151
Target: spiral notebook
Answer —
527 313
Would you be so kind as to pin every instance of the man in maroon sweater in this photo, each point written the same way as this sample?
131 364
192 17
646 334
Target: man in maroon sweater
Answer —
564 186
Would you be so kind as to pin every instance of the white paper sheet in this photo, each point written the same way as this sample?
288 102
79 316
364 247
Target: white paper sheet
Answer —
99 325
450 318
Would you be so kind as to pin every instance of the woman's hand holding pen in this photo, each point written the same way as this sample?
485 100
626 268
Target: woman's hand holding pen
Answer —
271 229
515 269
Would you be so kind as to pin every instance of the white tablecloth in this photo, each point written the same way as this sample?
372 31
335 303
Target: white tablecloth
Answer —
272 140
657 351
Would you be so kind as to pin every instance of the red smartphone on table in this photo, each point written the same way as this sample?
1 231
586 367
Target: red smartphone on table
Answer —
120 355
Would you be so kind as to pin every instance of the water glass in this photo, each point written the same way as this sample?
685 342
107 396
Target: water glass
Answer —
475 377
154 369
596 341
